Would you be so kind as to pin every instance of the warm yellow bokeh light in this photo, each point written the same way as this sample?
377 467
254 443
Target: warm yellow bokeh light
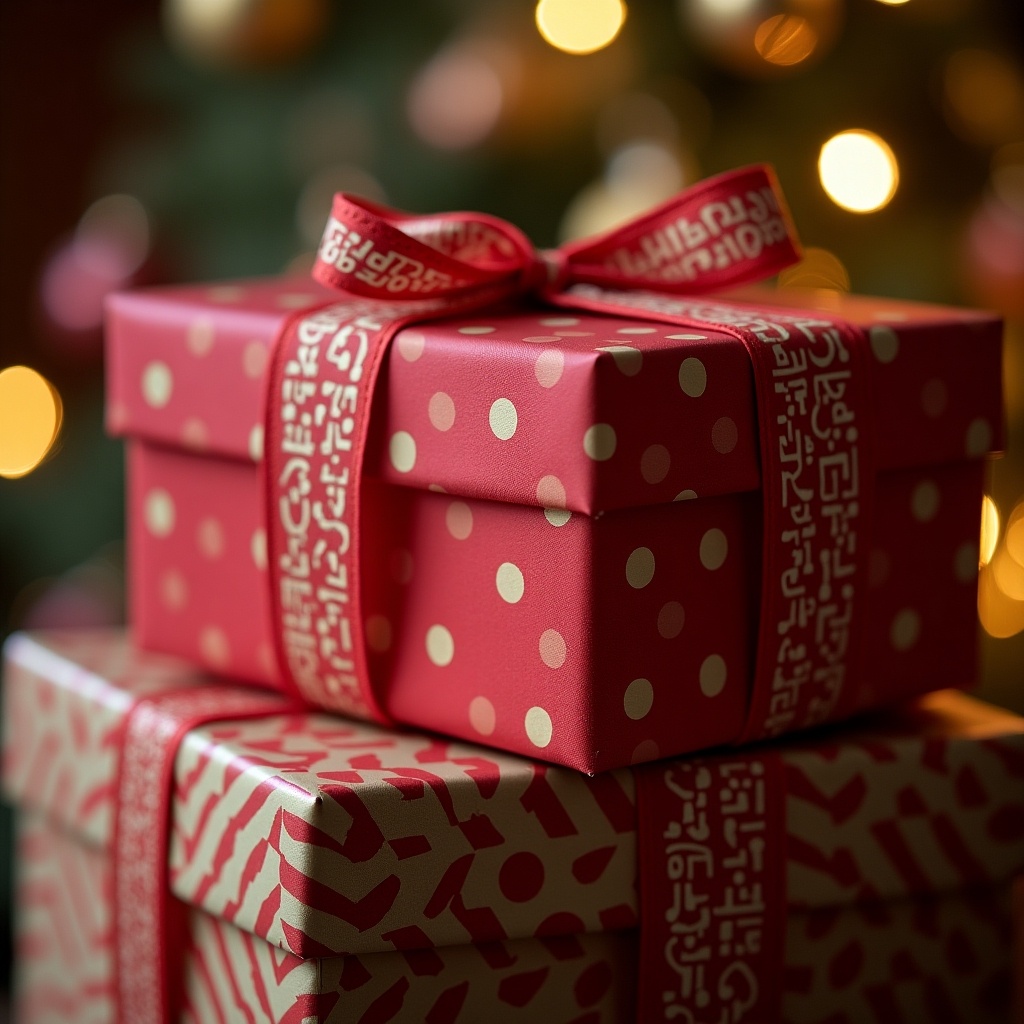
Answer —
580 26
30 413
1014 539
818 268
858 171
893 3
989 530
785 39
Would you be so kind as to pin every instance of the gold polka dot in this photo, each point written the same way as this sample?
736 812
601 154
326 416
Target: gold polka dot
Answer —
655 463
635 330
194 434
550 492
459 519
159 512
924 502
629 361
441 410
410 345
402 451
295 300
157 384
557 516
638 699
885 343
979 438
440 645
712 675
254 359
724 435
640 568
210 538
256 443
503 419
258 548
559 321
548 367
645 751
905 629
714 547
199 336
671 619
599 442
552 648
477 330
510 583
686 495
693 377
173 590
214 647
538 727
482 716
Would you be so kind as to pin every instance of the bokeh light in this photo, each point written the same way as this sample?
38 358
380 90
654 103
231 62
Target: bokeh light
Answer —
1014 538
893 3
818 268
456 99
989 530
580 26
984 97
785 39
858 170
30 417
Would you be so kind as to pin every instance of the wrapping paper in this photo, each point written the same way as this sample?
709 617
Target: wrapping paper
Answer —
513 589
905 962
325 837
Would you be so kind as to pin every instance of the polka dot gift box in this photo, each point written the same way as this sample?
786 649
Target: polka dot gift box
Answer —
568 527
334 871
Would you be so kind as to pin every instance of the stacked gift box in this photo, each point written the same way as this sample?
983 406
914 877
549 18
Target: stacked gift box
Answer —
564 571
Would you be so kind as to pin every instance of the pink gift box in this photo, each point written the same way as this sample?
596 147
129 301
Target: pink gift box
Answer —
510 882
546 567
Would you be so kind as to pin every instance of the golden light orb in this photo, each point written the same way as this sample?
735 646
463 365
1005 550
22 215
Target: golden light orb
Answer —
858 170
818 268
989 530
579 26
785 39
30 415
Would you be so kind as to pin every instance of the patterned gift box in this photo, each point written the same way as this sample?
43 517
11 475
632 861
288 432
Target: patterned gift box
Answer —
539 562
430 880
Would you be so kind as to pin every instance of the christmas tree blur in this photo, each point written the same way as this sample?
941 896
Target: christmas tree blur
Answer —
202 139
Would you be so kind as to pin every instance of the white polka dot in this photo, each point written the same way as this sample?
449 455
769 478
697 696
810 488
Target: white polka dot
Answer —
979 437
254 359
885 343
159 512
225 293
258 548
599 442
541 339
402 451
477 330
214 647
965 563
378 633
194 434
628 360
295 300
714 547
712 675
199 336
552 648
548 367
638 699
640 568
655 463
256 443
210 538
173 590
671 619
538 726
905 629
503 419
924 502
559 321
934 397
482 716
550 492
693 377
441 410
687 337
459 520
440 646
401 566
724 435
686 495
646 751
157 384
410 345
557 516
635 330
437 488
510 583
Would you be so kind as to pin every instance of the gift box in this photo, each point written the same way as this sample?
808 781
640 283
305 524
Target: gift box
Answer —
338 871
546 571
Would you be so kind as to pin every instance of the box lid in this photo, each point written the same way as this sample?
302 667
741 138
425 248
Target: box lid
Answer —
548 407
325 836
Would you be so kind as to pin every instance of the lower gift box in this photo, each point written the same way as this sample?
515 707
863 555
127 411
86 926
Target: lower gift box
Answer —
340 872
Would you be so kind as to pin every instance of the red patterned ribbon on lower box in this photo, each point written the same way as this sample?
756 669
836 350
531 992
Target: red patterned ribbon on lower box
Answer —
812 395
712 890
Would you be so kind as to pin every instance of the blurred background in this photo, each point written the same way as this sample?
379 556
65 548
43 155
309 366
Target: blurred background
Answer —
150 141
